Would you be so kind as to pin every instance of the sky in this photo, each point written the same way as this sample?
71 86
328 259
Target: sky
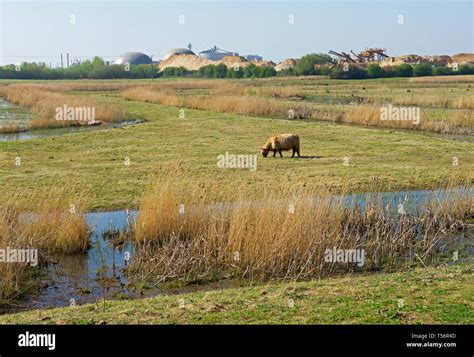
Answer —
279 29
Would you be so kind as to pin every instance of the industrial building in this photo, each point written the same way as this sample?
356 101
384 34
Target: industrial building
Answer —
133 58
253 58
216 54
179 51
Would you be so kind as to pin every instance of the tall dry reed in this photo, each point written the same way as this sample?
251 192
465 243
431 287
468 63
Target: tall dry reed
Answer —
452 122
242 105
44 104
458 122
283 235
50 221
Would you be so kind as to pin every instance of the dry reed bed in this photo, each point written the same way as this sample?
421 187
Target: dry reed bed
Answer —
51 221
458 122
278 91
242 105
464 102
430 100
44 104
444 79
266 239
3 91
118 86
453 122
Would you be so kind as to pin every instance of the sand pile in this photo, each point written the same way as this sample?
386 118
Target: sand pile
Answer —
441 60
192 62
233 61
286 64
462 58
264 63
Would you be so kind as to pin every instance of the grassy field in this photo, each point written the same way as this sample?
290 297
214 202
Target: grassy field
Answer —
431 295
95 161
187 125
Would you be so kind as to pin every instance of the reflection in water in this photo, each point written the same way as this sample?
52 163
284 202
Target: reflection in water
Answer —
87 277
80 278
40 133
14 113
11 112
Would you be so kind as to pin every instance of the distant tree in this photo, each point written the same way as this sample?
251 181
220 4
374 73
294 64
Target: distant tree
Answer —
325 70
250 70
175 72
305 66
423 69
374 70
442 71
404 70
266 71
353 72
466 69
235 72
97 61
207 71
286 72
220 71
390 71
143 71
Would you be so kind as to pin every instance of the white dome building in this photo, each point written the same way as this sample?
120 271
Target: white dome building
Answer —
133 58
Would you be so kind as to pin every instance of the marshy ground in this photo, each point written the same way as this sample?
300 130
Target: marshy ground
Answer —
420 296
187 124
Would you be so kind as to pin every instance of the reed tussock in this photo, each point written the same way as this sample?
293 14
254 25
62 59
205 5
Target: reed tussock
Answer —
168 198
51 222
285 235
44 105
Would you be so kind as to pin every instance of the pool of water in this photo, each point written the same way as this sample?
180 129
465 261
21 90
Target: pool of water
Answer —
78 278
87 278
14 113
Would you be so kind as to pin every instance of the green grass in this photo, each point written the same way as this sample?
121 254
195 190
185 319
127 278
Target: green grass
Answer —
429 295
398 159
94 161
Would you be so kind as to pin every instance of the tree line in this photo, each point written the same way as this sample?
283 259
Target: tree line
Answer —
311 64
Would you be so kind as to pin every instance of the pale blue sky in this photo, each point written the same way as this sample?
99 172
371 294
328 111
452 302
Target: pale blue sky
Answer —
41 30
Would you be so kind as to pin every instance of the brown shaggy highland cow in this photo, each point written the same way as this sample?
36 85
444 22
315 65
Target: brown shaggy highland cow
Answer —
282 142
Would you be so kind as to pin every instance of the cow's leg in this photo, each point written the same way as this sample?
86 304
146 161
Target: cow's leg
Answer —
298 151
274 153
279 151
293 153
